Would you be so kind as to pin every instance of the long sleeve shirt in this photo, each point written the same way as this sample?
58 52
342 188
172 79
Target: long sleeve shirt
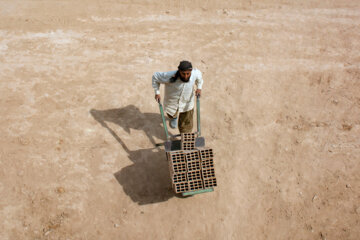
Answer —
179 95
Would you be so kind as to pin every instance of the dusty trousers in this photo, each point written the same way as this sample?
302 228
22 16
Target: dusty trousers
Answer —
186 121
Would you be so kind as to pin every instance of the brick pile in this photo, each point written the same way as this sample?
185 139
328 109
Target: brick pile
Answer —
191 168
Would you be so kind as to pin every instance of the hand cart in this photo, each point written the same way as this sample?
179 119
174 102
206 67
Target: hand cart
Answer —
173 144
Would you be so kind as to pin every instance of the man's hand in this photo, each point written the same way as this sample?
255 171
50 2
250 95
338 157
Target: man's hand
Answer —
198 92
157 98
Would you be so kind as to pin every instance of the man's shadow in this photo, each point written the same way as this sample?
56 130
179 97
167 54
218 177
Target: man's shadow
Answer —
148 179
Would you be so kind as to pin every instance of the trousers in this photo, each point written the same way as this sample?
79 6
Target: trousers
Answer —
185 122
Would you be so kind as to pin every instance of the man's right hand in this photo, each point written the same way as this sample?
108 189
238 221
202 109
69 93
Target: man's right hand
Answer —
157 98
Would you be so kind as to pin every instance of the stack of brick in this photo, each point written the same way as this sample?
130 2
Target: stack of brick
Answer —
191 169
188 141
207 167
178 170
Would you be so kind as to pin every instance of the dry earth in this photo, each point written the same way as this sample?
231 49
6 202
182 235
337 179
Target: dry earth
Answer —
78 124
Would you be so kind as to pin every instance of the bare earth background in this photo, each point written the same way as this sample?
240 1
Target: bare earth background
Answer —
280 107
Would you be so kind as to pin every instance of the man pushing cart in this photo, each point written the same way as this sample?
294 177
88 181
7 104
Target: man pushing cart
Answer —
191 164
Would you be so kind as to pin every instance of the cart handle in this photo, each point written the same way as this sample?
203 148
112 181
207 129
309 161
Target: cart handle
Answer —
164 121
198 115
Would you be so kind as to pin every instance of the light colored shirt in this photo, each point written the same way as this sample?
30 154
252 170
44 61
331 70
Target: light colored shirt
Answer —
179 95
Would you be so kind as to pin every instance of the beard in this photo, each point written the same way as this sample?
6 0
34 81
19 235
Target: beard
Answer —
183 79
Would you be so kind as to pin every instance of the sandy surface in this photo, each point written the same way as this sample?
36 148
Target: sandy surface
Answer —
78 124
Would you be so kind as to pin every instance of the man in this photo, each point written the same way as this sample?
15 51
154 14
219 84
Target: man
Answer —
179 94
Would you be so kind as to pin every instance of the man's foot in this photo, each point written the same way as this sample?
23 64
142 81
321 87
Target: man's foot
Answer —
173 122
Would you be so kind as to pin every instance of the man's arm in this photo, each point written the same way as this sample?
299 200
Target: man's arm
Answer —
157 79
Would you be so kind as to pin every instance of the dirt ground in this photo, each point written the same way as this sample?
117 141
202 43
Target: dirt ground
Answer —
79 123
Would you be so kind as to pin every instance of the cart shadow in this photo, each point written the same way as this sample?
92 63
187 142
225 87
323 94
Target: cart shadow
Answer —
147 180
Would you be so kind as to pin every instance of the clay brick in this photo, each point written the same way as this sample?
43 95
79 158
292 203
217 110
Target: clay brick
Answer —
178 168
193 166
188 141
206 153
188 137
188 145
210 182
176 157
195 185
192 155
208 173
207 163
179 177
181 187
195 175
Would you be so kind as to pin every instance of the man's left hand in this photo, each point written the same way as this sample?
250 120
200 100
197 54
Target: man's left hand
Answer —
198 92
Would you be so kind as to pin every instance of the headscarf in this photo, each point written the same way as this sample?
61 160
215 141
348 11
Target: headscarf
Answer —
185 65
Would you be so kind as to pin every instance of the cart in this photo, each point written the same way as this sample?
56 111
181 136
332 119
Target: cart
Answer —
173 144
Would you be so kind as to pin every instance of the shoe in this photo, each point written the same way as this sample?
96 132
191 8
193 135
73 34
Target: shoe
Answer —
173 123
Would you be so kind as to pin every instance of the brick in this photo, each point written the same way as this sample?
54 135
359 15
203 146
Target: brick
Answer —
188 145
206 153
210 182
208 173
179 177
193 166
188 137
207 163
178 168
181 187
176 157
188 141
195 175
195 185
192 155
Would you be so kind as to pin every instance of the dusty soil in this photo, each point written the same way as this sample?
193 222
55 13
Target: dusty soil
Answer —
78 124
